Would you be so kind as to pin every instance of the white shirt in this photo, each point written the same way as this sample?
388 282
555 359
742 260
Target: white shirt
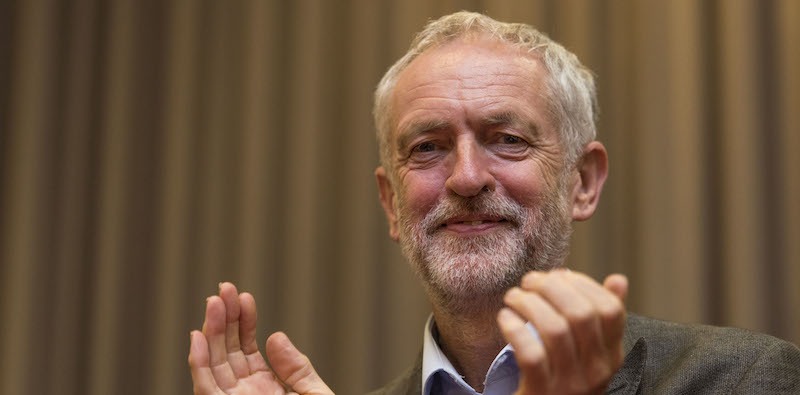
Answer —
439 377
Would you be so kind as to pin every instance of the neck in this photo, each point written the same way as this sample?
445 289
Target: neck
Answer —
470 341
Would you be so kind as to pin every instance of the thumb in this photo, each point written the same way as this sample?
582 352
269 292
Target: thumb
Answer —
292 367
617 284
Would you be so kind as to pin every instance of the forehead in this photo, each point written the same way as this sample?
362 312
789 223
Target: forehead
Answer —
471 77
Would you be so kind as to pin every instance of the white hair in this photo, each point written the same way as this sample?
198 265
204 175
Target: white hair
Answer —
571 96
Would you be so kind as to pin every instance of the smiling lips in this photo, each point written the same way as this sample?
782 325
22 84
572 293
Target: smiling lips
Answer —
472 225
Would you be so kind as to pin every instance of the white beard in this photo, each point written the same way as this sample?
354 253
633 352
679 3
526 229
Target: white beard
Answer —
470 274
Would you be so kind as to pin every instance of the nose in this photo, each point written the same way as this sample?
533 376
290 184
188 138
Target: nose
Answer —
470 174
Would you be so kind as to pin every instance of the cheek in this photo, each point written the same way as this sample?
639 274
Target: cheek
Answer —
526 185
421 193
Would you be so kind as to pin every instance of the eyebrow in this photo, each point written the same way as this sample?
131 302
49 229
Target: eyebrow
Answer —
418 128
514 119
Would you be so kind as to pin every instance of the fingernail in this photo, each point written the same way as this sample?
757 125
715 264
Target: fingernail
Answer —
191 336
219 286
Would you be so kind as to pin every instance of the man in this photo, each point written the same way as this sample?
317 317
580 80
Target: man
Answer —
486 135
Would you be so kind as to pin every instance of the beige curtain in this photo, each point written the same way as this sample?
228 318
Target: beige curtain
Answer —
150 149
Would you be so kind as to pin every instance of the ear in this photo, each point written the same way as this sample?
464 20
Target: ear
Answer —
386 193
592 170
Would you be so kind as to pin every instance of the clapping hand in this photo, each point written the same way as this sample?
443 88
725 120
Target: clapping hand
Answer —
580 324
224 357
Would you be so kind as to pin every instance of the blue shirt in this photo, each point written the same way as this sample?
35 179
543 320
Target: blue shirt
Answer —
439 377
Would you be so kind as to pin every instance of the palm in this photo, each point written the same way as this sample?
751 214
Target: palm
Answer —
225 359
256 383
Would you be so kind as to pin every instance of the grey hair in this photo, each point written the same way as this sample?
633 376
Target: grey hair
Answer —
571 96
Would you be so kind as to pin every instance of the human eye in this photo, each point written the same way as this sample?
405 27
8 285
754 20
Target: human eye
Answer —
427 146
426 152
509 144
511 139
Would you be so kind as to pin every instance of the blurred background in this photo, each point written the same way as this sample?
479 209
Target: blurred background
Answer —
151 149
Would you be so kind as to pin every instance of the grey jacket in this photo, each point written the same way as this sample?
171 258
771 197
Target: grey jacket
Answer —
669 358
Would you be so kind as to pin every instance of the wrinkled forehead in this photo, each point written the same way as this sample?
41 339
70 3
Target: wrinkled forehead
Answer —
469 72
476 57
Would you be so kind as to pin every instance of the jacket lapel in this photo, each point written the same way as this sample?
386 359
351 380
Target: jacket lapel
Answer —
629 376
414 386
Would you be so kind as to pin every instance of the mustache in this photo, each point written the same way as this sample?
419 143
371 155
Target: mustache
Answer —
490 205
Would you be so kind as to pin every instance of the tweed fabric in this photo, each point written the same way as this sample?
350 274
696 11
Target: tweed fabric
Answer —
670 358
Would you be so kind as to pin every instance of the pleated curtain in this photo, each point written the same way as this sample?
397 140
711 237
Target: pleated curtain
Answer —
151 149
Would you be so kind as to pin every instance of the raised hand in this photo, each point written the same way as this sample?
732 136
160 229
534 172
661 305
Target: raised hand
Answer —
580 323
224 357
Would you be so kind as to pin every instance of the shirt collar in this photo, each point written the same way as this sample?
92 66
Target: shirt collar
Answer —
434 361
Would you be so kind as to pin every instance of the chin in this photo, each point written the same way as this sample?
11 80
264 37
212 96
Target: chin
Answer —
468 291
470 274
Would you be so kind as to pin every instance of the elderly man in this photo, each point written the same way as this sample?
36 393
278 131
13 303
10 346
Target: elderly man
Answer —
486 133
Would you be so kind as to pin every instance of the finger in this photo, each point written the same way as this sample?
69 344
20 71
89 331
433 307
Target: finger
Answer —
573 294
580 312
610 309
618 284
603 354
292 367
214 331
235 356
553 329
202 378
528 351
247 333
